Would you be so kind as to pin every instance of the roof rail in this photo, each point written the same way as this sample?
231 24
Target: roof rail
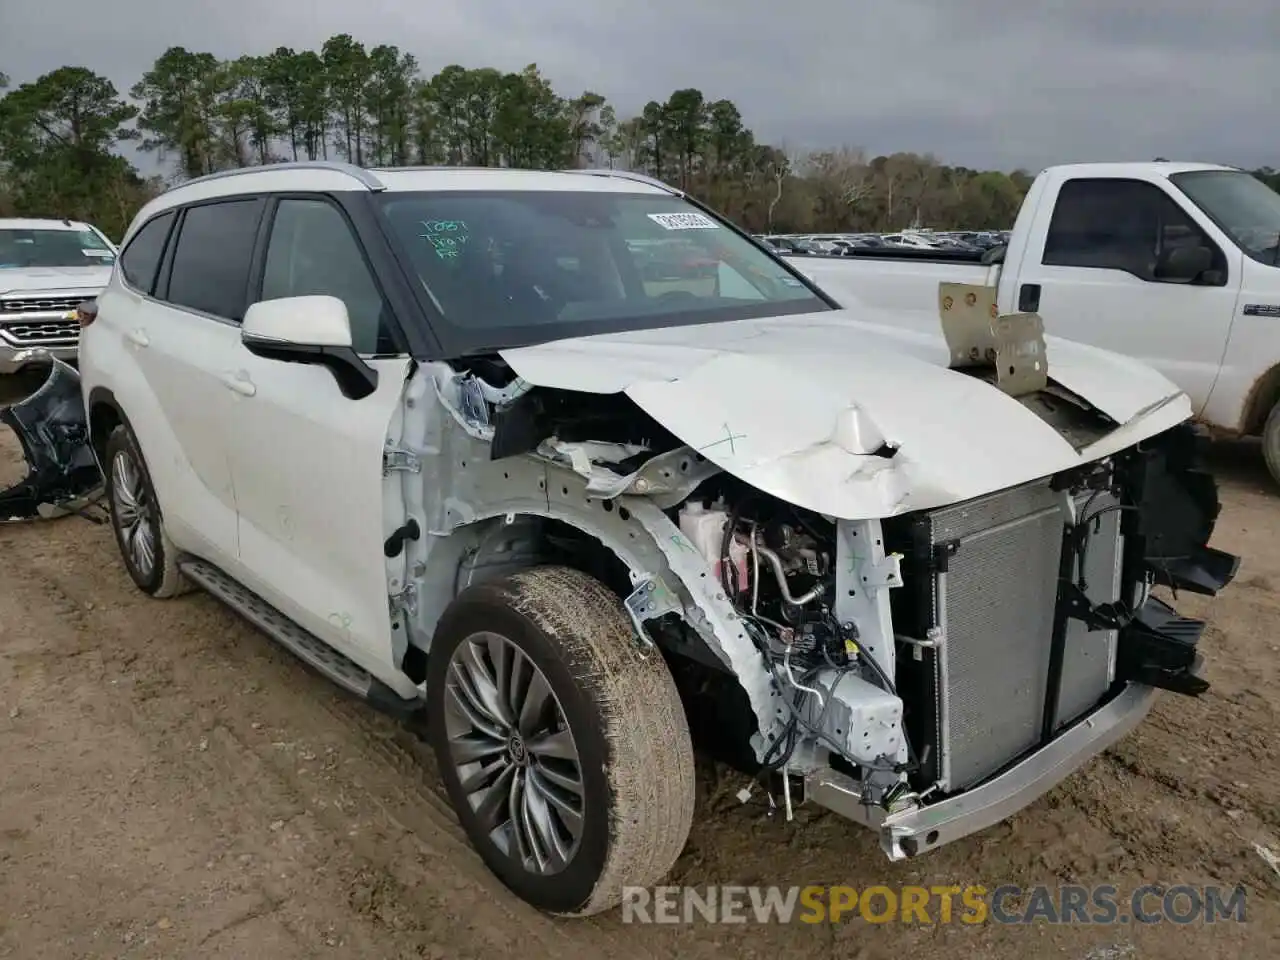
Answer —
367 179
441 167
628 175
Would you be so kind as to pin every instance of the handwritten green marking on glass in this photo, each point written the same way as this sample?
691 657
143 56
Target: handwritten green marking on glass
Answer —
447 237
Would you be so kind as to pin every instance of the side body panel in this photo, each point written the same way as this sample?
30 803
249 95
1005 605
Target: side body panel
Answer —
308 464
164 367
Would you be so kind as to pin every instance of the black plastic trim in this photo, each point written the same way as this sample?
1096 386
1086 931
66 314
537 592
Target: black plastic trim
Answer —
355 378
1159 648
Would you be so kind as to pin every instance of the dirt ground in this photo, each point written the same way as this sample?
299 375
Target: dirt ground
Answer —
173 785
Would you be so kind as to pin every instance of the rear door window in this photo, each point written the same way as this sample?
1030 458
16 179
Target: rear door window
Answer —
210 271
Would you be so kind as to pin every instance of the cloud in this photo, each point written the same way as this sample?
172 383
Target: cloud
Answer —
982 82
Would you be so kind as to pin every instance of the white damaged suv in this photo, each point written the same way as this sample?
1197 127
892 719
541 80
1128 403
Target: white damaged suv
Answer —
571 468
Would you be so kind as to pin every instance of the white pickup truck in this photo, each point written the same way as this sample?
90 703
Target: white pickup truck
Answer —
47 269
1176 264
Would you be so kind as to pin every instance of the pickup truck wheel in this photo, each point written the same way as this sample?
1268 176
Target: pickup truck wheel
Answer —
1271 442
562 743
148 555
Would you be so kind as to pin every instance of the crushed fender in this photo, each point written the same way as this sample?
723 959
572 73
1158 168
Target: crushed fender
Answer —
63 476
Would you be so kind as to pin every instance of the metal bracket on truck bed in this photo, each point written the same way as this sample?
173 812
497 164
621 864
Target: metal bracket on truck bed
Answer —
978 336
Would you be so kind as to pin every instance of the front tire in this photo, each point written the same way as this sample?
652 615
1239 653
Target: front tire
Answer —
562 743
1271 442
148 554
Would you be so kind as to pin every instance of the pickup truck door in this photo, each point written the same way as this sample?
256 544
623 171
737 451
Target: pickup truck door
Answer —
307 460
1093 268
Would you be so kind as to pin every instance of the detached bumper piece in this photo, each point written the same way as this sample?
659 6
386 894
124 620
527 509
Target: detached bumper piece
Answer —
1158 648
1177 507
63 476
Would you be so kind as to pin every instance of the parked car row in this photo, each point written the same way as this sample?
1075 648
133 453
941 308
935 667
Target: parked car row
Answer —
848 244
572 469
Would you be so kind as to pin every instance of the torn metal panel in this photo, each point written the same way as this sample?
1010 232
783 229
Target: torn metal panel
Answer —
62 472
978 335
709 612
472 510
847 418
667 479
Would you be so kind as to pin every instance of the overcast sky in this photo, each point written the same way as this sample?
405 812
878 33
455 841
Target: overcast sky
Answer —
981 82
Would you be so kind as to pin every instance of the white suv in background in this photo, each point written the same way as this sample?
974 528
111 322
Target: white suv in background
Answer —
534 454
47 269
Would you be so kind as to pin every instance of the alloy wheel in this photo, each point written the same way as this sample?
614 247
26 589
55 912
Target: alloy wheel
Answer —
514 753
131 513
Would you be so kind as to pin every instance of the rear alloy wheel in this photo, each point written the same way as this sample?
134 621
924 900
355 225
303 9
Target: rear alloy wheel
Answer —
1271 442
135 517
562 743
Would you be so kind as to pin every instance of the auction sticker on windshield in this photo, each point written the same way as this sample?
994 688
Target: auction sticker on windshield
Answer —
684 221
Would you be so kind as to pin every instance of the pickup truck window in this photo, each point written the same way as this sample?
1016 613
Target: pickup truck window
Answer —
1243 207
512 268
1124 225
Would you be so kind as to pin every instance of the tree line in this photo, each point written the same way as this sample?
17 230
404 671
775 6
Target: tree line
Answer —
60 139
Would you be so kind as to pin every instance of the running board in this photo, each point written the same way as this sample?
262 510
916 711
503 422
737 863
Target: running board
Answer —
314 652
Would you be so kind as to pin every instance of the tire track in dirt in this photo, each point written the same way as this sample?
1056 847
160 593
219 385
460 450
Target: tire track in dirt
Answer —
384 779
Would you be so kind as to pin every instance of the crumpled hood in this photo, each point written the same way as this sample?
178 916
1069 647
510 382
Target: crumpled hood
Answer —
21 279
807 407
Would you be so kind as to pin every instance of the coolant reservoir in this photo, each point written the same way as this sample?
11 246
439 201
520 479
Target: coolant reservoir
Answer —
704 528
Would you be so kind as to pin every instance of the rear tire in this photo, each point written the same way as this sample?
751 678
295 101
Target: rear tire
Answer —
621 771
1271 442
147 552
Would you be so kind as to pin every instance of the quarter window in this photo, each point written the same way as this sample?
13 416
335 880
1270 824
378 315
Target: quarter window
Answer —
211 262
141 258
312 251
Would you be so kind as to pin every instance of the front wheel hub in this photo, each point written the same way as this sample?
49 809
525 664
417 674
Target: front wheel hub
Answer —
513 752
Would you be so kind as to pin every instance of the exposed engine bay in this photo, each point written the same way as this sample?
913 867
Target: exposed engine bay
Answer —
915 657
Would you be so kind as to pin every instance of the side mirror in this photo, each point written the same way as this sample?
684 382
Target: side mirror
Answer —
1184 264
312 329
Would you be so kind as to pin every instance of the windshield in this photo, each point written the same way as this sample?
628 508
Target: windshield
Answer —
1245 208
53 248
518 267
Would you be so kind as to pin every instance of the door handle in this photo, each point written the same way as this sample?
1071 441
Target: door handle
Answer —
1029 298
239 384
139 337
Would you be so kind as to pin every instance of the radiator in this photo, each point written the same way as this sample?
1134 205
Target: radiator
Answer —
997 601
